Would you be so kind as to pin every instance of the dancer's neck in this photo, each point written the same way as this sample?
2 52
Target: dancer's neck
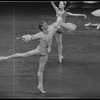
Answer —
45 31
62 10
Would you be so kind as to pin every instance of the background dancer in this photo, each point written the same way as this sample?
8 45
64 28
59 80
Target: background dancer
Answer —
97 25
69 27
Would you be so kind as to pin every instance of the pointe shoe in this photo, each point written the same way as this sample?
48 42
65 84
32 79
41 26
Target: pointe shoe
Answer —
41 89
87 24
98 27
60 59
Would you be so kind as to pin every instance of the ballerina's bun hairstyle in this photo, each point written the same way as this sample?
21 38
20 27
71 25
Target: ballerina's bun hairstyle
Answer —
64 2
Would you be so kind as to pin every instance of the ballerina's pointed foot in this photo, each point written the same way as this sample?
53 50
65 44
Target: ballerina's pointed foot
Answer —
98 27
3 58
41 88
87 24
60 58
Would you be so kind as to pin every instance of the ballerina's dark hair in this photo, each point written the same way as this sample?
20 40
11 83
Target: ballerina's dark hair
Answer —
67 5
64 2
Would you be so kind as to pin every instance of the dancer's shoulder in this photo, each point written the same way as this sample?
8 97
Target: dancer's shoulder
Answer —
41 34
67 12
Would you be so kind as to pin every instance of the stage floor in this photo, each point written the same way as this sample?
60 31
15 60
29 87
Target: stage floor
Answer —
77 77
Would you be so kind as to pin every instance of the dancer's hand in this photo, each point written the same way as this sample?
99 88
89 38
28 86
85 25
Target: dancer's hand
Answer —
85 16
26 38
49 49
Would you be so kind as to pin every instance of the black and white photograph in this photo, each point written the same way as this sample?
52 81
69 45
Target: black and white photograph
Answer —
49 49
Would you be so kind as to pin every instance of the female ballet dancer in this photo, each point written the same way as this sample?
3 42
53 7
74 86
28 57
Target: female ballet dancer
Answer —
42 49
95 13
97 25
69 27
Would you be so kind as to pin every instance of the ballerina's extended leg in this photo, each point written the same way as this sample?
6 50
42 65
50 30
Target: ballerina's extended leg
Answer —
60 46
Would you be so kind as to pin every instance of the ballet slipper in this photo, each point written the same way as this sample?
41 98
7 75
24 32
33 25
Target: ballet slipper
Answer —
87 24
60 58
41 88
98 27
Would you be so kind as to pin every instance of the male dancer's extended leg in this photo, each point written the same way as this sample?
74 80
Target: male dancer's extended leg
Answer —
17 55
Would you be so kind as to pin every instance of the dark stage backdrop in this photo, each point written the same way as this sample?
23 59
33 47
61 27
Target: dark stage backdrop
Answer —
42 7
